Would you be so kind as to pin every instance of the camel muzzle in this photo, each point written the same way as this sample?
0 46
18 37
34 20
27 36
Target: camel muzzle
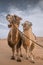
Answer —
9 26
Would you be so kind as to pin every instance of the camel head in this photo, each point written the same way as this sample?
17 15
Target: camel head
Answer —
26 25
13 19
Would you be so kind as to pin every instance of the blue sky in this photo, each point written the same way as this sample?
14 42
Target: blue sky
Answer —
31 10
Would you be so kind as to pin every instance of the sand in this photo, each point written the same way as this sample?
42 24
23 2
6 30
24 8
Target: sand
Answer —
5 54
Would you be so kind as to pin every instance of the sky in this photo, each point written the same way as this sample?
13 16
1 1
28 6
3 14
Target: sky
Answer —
31 10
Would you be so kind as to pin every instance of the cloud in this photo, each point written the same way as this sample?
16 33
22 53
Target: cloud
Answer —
3 33
3 25
20 4
32 12
35 15
40 4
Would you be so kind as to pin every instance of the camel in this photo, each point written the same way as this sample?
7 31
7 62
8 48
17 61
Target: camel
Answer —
28 44
14 37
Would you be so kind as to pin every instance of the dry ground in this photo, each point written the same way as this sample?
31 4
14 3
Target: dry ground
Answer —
5 54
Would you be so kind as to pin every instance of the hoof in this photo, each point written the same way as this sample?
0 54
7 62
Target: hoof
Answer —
12 58
21 56
18 60
32 61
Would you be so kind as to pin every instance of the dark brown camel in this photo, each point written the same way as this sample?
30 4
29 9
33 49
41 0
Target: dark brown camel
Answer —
14 37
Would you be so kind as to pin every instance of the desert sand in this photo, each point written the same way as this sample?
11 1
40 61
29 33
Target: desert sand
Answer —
5 54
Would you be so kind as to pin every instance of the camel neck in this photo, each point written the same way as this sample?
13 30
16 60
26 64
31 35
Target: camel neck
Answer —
13 33
28 32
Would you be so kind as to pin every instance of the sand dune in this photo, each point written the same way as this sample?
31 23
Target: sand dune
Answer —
5 54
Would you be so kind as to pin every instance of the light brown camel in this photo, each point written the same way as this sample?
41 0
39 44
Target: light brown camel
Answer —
14 37
28 44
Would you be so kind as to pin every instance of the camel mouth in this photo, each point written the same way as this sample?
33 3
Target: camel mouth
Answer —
9 25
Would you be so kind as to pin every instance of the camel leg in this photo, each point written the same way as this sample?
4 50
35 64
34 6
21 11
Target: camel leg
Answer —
21 52
18 58
31 58
27 53
30 53
13 57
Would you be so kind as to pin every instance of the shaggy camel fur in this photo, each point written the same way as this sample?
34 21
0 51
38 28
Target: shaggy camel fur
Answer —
14 37
28 44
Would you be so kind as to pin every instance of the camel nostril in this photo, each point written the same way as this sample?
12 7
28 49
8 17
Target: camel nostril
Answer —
9 26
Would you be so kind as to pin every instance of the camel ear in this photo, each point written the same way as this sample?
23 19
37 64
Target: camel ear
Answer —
30 23
15 16
7 16
20 18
